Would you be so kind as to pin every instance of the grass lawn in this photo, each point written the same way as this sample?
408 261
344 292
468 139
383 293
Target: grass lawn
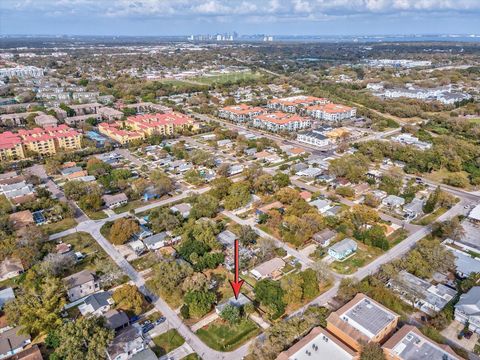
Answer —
144 262
225 78
397 237
192 357
167 342
96 215
364 255
474 121
441 174
428 219
131 205
96 259
105 230
59 226
222 336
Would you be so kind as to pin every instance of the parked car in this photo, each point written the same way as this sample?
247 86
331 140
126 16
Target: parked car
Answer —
160 320
147 328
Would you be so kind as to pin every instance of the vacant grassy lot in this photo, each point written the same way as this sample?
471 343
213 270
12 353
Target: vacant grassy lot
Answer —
227 78
95 260
428 219
59 226
167 342
222 336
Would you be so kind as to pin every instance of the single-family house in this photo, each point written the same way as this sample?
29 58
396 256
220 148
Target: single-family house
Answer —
10 267
311 172
227 238
30 353
474 215
150 193
116 320
96 304
137 246
324 237
156 241
306 195
12 342
81 284
342 249
127 343
6 295
413 209
393 201
322 205
183 209
269 269
420 293
467 309
115 201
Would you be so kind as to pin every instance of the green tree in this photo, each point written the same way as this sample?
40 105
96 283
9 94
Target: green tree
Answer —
220 187
37 308
238 196
281 180
122 230
129 299
309 284
270 294
162 219
199 302
231 314
372 351
204 205
85 339
246 235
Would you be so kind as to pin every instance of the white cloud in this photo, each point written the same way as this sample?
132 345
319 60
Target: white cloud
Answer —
270 10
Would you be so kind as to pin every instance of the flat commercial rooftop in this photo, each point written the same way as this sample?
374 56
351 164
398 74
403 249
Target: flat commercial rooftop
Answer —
413 347
368 318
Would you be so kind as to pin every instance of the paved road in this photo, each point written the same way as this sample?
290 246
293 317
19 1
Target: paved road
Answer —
39 170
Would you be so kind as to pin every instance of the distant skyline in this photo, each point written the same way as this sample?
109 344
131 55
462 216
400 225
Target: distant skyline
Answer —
273 17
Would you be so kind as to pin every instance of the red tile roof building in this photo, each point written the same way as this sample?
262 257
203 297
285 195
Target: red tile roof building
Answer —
295 103
279 121
331 112
240 112
141 126
45 141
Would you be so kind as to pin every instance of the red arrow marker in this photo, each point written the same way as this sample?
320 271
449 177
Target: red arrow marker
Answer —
237 284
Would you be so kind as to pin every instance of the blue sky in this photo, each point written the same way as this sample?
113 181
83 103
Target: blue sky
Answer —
289 17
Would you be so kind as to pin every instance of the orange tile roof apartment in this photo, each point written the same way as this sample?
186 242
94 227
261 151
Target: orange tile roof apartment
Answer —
45 141
319 344
141 126
410 344
331 112
240 112
294 103
280 121
362 321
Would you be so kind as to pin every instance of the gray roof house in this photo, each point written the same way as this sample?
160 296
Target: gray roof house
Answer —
127 343
322 205
156 241
81 284
393 201
467 309
226 238
324 237
414 208
6 294
183 209
114 201
268 269
342 249
425 296
11 342
96 304
116 319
